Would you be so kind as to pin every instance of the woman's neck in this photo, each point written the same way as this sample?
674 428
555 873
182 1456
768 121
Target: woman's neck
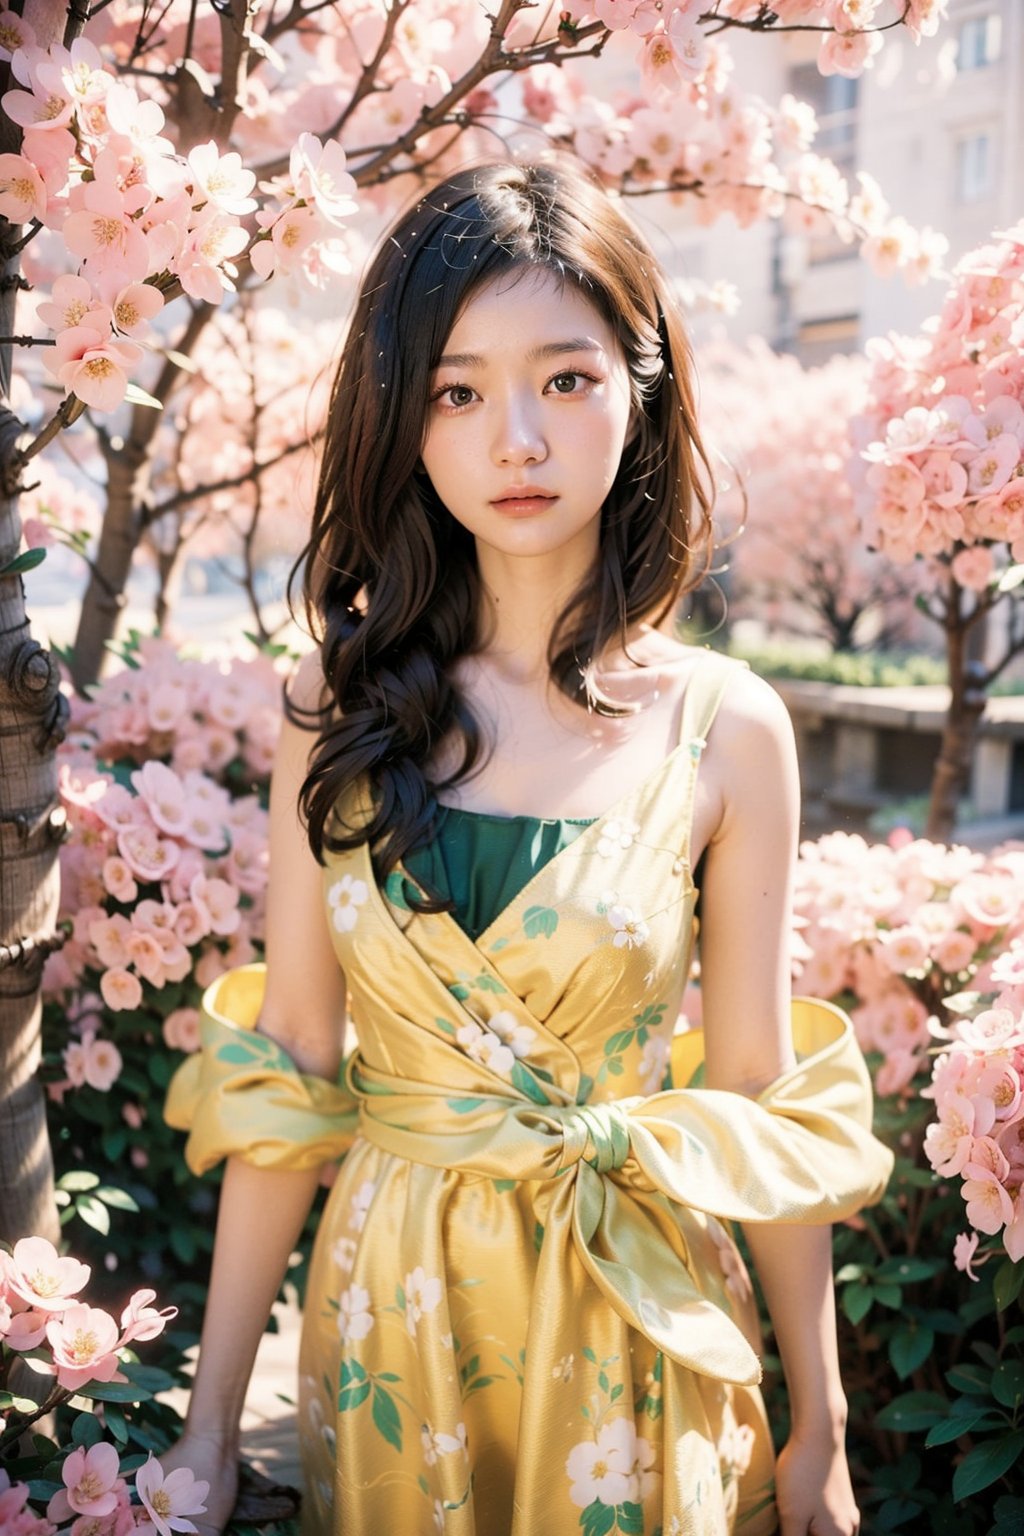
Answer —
522 601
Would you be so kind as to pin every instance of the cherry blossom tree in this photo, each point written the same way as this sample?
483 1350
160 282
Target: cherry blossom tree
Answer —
941 482
160 163
783 432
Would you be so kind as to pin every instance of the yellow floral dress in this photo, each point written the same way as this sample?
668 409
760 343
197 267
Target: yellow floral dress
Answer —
526 1315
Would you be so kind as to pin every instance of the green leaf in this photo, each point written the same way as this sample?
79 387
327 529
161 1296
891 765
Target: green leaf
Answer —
909 1348
603 1382
151 1377
136 396
1008 1383
78 1179
183 1243
912 1410
539 921
26 561
985 1464
588 1354
93 1213
598 1519
614 1065
952 1428
631 1518
501 1185
358 1370
619 1042
116 1423
970 1378
113 1392
851 1272
889 1295
443 1025
238 1054
902 1270
524 1080
386 1418
856 1301
351 1397
464 1106
117 1199
86 1431
1006 1284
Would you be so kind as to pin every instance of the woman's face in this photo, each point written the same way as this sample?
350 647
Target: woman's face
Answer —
528 415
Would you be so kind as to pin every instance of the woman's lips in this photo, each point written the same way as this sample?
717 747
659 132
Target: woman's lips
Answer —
523 506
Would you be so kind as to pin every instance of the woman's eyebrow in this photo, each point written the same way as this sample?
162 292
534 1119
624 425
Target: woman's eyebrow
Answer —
549 349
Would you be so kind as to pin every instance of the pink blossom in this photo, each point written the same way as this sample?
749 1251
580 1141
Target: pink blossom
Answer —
991 468
108 937
148 856
676 53
989 1207
101 233
15 33
203 265
290 235
993 1029
90 1477
140 1320
83 1341
133 306
164 794
217 902
973 567
22 190
1013 1236
121 990
965 1246
93 366
181 1029
41 1277
221 179
117 878
102 1064
320 179
170 1500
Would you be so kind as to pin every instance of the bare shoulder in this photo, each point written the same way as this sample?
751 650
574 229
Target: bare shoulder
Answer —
752 711
751 758
306 687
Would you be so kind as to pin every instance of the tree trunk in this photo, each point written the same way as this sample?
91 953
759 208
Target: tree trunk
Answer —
966 707
125 517
32 713
32 716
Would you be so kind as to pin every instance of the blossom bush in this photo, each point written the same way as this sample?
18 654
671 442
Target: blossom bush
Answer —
163 778
940 480
924 944
78 1483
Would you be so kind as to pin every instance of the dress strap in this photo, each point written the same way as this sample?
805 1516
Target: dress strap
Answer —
704 692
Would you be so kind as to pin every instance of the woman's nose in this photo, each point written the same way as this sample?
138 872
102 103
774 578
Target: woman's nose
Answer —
519 437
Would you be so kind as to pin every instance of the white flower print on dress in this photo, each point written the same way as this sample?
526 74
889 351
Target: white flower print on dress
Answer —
653 1062
344 898
438 1515
354 1316
486 1048
422 1296
630 929
360 1205
518 1037
617 836
602 1469
436 1443
563 1368
344 1254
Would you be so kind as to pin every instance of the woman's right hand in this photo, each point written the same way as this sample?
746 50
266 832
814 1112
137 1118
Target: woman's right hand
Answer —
215 1461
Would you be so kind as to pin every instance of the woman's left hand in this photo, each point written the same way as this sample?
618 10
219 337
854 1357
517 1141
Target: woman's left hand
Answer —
813 1489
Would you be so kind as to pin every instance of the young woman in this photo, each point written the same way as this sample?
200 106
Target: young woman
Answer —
525 1313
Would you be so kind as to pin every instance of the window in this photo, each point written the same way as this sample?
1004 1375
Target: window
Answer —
818 340
974 168
834 99
979 41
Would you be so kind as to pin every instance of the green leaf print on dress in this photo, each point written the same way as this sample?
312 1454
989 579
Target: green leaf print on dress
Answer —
611 1472
639 1033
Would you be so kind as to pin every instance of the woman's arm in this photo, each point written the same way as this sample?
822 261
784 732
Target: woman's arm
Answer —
745 981
262 1211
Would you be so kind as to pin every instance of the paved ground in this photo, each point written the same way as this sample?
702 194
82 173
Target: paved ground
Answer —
269 1434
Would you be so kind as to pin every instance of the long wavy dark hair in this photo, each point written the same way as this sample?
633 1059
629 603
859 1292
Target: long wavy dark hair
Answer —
390 579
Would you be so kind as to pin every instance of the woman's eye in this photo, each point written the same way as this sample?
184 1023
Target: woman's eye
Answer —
565 383
460 394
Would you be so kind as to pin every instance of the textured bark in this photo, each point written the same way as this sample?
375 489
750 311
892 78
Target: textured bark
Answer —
31 822
32 712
